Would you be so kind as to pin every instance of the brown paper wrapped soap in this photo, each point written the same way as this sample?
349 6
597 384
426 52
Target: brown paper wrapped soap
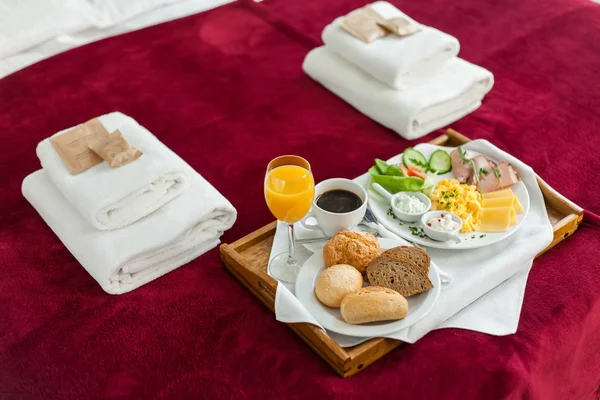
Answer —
400 26
363 24
72 146
115 150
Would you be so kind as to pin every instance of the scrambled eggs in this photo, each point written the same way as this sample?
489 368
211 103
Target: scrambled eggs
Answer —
459 198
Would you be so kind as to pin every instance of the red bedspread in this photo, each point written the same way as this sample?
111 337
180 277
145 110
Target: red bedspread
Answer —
225 90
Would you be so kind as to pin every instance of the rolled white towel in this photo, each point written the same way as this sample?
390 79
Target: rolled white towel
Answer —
413 112
112 198
125 259
396 61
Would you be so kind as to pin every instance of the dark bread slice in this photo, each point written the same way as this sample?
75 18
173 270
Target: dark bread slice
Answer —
415 254
399 274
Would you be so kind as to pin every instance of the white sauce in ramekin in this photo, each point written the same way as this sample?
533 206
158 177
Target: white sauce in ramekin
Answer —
410 204
443 223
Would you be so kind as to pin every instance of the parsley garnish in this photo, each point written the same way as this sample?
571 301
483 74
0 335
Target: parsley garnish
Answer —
390 212
463 156
417 231
482 236
484 171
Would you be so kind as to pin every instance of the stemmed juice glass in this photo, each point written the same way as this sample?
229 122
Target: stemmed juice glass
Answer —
289 192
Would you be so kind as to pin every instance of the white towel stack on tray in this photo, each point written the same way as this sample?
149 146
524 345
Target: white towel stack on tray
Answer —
412 85
130 225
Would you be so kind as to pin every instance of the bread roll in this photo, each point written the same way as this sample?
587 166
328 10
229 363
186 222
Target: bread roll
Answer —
373 303
399 274
336 282
355 248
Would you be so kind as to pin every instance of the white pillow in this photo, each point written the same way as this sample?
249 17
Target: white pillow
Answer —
27 23
105 13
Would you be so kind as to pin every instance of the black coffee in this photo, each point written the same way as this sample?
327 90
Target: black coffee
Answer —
339 201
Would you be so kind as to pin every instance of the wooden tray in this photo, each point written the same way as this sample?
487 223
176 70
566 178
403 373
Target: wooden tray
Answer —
247 260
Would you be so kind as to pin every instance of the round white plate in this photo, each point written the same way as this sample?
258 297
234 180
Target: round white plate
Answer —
331 318
380 206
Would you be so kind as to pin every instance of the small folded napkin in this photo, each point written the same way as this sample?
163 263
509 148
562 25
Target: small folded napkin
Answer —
488 284
397 62
413 112
125 259
111 198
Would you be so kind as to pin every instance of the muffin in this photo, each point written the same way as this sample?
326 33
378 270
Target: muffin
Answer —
354 248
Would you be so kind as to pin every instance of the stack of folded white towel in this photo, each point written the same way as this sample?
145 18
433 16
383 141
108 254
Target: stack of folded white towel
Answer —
129 225
413 84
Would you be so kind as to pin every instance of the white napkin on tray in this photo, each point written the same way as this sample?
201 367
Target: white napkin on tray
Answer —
395 61
445 97
488 284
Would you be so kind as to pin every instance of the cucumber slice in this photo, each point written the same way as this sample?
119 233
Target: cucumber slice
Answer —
440 162
415 158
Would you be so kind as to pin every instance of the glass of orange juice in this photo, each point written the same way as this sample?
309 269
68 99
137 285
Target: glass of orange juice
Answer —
289 193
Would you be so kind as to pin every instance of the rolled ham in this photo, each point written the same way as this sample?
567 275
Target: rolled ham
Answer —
486 179
461 170
508 175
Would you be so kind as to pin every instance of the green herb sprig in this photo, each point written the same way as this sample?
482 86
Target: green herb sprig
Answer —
497 173
463 156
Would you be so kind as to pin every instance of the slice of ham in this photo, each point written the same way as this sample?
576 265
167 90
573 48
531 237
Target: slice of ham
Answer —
461 170
486 181
508 175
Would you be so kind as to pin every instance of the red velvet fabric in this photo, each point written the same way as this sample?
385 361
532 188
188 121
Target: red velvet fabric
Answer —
225 90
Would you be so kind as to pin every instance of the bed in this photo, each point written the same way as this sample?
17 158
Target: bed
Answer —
225 90
31 31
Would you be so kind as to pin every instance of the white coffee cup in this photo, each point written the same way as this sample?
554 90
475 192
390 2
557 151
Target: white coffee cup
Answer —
329 222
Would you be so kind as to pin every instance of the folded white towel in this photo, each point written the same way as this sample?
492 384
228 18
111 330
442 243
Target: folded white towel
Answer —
413 112
111 198
125 259
396 61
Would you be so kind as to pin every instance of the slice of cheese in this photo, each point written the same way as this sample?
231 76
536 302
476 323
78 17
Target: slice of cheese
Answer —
513 216
496 219
505 201
498 193
517 205
492 199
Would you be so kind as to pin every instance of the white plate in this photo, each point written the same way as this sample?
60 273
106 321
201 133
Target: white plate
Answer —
331 318
379 207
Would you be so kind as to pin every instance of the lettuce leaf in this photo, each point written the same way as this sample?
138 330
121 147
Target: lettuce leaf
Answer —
396 183
382 166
